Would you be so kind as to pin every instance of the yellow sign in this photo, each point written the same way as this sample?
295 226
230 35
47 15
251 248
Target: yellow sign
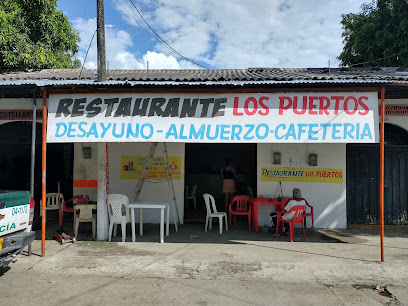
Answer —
132 166
302 175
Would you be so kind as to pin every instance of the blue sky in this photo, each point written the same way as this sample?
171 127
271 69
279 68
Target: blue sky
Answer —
214 33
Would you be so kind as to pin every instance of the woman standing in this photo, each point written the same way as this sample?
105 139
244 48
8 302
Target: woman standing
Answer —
228 174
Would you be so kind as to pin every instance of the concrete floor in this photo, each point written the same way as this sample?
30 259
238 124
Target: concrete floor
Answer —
196 267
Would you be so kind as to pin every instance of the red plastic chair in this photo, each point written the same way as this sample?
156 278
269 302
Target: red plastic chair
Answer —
77 199
309 214
297 219
242 208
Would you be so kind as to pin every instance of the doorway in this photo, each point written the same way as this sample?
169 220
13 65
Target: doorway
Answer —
363 179
203 164
15 162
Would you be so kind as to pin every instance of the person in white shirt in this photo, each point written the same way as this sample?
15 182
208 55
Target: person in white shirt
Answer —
294 202
289 216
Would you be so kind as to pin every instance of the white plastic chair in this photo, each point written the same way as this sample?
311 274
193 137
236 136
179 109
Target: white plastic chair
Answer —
51 202
213 213
118 209
85 213
191 196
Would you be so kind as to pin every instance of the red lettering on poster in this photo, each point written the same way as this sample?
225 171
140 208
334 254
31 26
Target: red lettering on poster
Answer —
283 106
250 103
262 104
236 106
324 103
363 105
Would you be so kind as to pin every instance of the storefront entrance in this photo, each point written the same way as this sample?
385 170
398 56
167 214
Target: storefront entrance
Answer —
363 180
203 164
15 162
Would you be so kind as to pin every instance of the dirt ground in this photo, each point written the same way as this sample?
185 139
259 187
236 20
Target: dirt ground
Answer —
338 267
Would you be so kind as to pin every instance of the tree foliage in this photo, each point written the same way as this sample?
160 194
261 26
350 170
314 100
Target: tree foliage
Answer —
377 36
34 34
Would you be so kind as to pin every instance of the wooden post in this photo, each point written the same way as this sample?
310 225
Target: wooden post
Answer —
44 170
100 38
382 172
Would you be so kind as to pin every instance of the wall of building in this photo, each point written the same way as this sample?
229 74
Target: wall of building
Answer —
150 191
19 104
85 170
328 199
397 120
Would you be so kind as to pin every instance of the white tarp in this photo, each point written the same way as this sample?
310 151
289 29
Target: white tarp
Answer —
336 117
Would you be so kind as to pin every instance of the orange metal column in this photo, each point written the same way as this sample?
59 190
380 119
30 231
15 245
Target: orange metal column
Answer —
44 170
382 172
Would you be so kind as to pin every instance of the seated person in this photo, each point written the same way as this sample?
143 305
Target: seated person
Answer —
288 217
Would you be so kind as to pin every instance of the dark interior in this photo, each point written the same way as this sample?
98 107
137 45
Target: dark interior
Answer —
203 167
15 162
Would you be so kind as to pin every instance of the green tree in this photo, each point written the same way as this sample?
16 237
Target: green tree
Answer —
377 36
34 34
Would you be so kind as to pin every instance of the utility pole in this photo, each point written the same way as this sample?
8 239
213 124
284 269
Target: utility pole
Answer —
103 168
100 27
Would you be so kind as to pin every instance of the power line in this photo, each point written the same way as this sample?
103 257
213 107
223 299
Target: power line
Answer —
157 36
136 20
83 15
90 43
381 58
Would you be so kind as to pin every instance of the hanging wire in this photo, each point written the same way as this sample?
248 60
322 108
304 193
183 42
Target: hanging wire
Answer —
86 55
86 3
378 59
157 36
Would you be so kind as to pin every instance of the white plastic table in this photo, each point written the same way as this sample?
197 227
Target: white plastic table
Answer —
162 205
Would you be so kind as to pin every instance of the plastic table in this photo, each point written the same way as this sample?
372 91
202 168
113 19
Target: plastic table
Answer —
162 205
263 201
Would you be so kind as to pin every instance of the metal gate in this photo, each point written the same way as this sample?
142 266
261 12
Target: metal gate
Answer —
363 183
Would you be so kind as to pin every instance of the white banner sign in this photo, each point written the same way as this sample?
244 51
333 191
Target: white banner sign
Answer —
257 118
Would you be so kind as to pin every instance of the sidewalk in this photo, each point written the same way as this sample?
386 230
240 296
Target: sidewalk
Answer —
237 267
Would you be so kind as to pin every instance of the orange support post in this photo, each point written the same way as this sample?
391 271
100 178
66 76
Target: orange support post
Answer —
382 172
44 170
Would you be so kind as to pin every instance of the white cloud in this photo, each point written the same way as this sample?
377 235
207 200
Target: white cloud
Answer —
160 61
119 49
241 34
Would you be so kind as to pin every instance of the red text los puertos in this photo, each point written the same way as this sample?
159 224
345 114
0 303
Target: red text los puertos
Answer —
300 105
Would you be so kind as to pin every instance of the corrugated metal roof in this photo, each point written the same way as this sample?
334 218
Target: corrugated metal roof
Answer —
41 83
257 74
200 77
46 74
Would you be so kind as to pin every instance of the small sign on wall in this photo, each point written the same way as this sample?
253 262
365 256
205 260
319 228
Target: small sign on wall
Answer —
132 166
19 114
302 175
396 110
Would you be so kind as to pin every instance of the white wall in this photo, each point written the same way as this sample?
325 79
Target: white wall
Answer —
85 169
150 191
328 199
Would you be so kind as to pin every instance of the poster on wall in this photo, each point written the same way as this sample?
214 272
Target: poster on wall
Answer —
319 175
131 167
337 117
